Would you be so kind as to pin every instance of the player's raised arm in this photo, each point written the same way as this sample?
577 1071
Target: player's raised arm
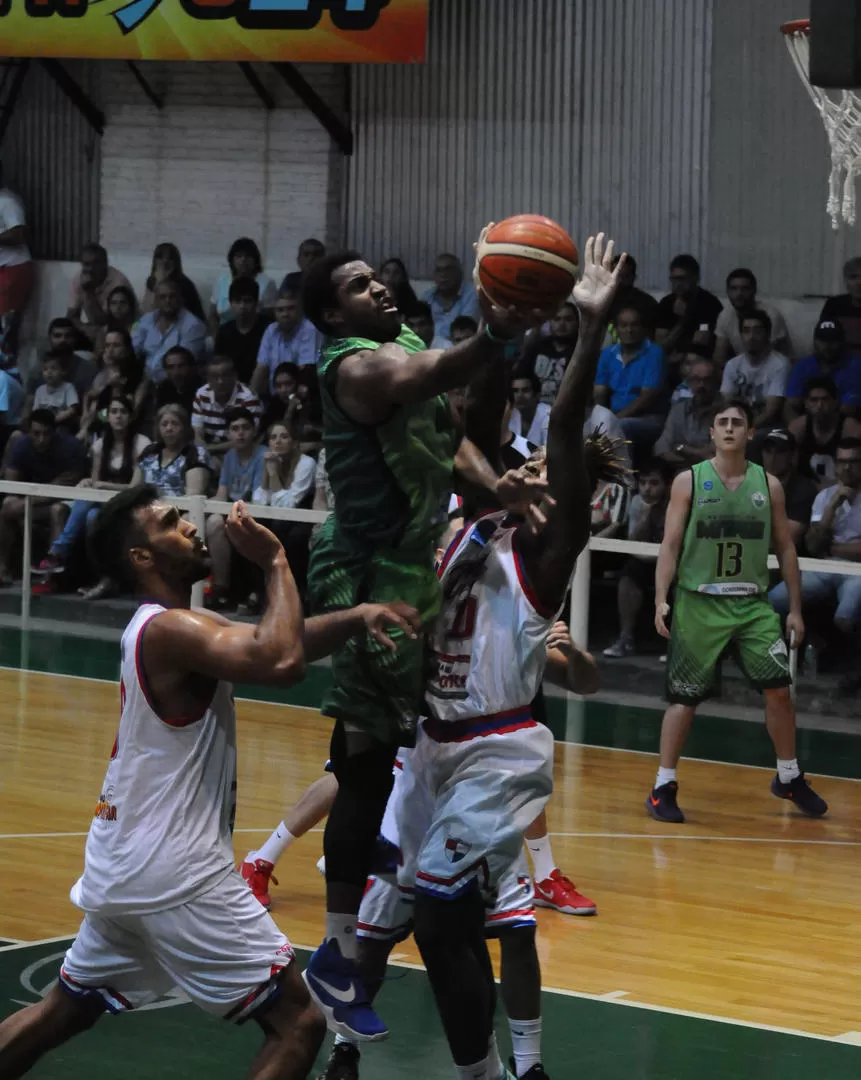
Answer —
550 556
668 556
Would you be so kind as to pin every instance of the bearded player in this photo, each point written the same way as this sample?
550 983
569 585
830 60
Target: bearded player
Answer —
390 446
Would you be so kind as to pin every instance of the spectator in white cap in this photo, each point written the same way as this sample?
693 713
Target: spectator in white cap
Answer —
831 358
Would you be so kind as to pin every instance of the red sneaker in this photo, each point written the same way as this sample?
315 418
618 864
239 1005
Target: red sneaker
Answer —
559 893
258 874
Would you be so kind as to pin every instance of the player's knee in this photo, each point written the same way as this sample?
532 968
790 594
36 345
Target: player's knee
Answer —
517 944
779 697
439 922
844 625
64 1016
310 1026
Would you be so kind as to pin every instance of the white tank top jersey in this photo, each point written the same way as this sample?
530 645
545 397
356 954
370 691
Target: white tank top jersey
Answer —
488 647
161 832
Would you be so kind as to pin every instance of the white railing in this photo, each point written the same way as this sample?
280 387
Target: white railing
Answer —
198 506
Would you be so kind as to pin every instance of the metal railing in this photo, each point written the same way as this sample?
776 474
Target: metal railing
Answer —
198 506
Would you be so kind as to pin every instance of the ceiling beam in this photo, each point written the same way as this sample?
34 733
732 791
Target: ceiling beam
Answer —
327 116
256 85
76 94
140 78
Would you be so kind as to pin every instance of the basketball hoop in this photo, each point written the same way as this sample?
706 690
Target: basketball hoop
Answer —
842 120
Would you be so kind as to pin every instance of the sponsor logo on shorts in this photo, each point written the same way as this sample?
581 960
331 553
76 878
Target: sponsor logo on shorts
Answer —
455 849
688 689
780 654
758 499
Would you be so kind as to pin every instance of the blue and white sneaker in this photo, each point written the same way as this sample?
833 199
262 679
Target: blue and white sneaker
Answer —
335 984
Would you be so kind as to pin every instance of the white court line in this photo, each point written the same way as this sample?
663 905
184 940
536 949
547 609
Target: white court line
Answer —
561 742
613 997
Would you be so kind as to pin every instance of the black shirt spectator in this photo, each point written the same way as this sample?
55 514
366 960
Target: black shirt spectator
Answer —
240 338
629 296
45 454
310 251
780 458
819 430
182 381
688 315
846 308
547 356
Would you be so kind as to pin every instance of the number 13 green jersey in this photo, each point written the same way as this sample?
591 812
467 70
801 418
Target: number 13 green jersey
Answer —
728 535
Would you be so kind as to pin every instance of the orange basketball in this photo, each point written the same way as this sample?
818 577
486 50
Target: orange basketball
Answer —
527 261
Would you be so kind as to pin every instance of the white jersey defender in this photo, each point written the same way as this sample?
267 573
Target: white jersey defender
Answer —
482 766
165 906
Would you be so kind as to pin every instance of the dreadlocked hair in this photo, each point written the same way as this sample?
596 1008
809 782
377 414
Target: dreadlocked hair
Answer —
606 460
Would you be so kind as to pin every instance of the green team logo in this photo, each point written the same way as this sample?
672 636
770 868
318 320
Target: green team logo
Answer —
758 499
780 654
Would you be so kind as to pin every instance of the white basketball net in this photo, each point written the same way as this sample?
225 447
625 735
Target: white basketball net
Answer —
842 120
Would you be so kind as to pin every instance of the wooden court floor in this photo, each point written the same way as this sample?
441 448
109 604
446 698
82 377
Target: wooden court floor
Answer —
747 912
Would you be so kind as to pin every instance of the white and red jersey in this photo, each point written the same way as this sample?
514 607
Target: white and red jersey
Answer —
161 832
488 647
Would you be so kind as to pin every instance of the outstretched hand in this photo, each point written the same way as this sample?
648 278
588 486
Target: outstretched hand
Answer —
379 618
595 291
518 489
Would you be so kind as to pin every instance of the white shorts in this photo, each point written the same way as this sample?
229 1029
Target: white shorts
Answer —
222 949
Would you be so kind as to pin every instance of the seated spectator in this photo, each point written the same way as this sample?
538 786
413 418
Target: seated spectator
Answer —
43 456
222 392
17 269
90 289
834 533
821 429
243 260
80 370
780 458
291 339
686 438
167 266
645 523
831 359
393 274
11 404
181 381
451 295
165 328
288 474
629 296
741 292
630 379
173 463
310 251
114 458
121 375
759 374
241 475
462 329
689 314
547 356
530 417
846 308
285 402
420 320
122 313
57 395
240 339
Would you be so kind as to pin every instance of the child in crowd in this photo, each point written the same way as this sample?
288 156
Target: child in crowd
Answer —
57 395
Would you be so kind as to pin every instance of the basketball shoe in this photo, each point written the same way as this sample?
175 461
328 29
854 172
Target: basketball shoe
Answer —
258 874
343 1063
661 803
535 1073
559 893
336 985
802 794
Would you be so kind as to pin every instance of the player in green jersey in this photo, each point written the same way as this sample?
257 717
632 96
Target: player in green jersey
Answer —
390 448
724 516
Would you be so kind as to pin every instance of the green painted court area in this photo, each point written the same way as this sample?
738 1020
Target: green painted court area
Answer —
583 1037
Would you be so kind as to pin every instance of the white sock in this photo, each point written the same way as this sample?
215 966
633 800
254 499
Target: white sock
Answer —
664 776
342 1040
542 857
343 929
478 1071
495 1068
276 845
526 1043
787 770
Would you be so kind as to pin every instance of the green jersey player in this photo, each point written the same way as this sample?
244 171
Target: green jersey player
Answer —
724 516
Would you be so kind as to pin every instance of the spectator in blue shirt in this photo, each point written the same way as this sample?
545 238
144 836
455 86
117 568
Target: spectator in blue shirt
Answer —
241 475
291 339
630 381
830 358
451 295
163 329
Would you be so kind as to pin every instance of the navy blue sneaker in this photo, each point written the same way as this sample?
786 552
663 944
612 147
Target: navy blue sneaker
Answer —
343 1063
386 859
802 794
335 984
661 803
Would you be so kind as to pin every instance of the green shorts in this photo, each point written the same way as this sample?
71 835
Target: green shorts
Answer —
377 690
705 627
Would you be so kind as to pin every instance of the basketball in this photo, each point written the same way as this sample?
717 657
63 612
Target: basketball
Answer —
527 261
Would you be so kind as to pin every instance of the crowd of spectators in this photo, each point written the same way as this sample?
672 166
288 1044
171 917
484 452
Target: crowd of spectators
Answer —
225 402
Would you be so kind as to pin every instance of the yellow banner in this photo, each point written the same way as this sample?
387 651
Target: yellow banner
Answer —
342 31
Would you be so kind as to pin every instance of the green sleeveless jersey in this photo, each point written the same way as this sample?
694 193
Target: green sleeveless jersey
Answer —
728 535
391 482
